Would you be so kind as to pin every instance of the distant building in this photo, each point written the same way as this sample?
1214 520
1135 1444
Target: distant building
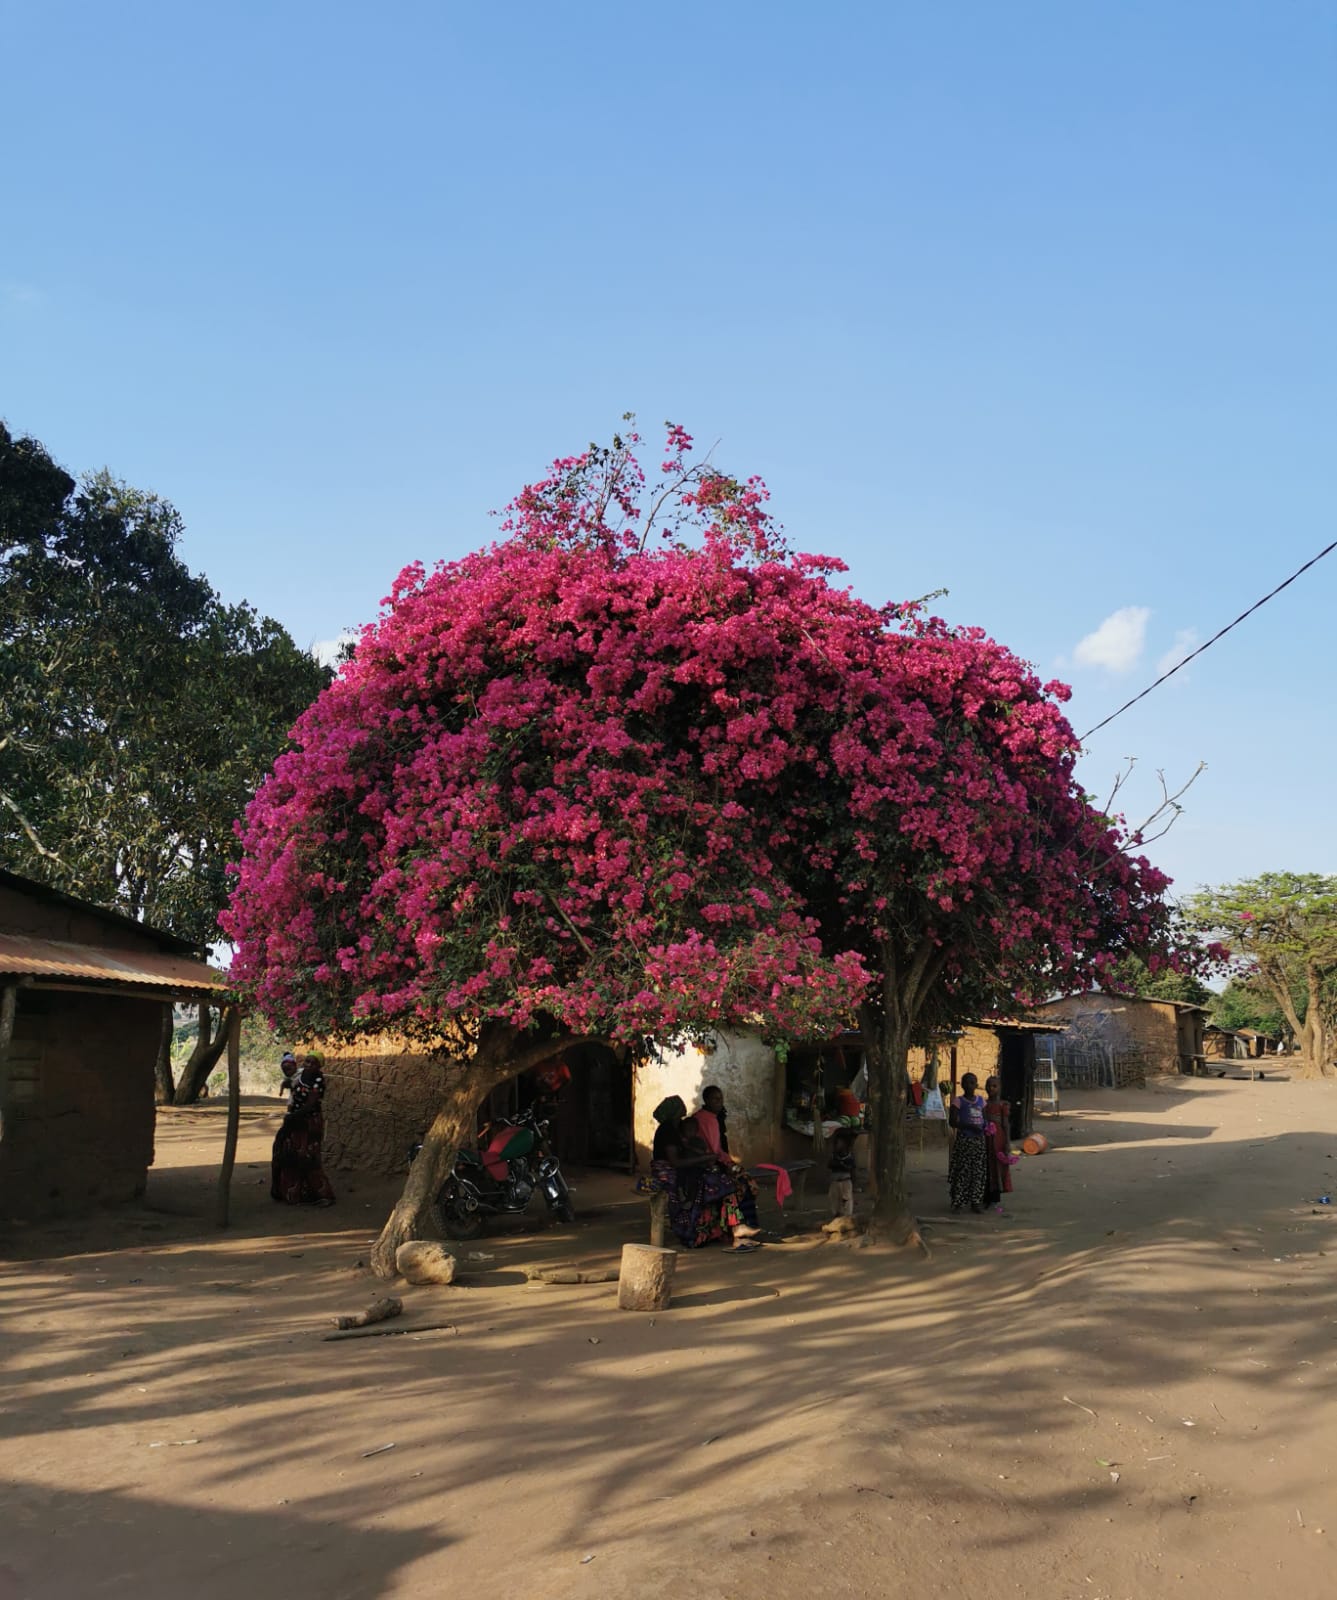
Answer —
1224 1044
1117 1041
1260 1044
81 998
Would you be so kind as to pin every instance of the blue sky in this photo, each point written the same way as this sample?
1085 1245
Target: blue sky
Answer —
1034 302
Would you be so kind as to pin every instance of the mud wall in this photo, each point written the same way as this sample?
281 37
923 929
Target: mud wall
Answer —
1143 1038
380 1095
76 1103
748 1072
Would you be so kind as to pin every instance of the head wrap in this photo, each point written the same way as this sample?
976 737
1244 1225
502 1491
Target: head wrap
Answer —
670 1110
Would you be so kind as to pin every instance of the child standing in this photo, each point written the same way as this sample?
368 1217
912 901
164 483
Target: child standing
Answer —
841 1168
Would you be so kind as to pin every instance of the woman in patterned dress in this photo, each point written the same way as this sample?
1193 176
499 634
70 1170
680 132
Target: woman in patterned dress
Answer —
703 1197
968 1168
296 1175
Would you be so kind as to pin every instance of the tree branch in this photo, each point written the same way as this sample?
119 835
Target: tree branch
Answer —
1169 803
576 933
11 804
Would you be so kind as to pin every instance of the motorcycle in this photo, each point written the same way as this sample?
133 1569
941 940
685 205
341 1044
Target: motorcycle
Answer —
499 1178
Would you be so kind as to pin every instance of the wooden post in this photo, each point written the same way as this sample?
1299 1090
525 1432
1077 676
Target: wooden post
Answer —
658 1218
233 1114
645 1280
9 1004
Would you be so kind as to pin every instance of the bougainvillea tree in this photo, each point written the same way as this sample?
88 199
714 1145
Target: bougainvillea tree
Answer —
636 770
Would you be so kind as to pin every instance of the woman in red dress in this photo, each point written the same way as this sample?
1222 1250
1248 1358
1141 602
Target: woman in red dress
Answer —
998 1143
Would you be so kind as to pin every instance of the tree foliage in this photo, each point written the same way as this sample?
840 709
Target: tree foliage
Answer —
1281 929
638 769
1245 1003
140 711
1133 976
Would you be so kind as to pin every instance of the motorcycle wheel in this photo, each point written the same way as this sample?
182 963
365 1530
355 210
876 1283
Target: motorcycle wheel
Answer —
452 1220
565 1211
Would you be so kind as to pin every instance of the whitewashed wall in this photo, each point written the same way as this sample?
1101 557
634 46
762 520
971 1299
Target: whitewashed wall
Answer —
747 1070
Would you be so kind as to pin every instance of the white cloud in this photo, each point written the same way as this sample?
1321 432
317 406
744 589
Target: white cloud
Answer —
326 651
1117 643
17 297
1186 642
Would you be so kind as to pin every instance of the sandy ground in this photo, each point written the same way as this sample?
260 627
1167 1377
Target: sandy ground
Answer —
1121 1388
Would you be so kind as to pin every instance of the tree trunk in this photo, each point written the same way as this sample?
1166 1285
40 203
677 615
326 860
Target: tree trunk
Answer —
503 1052
1275 980
888 1082
164 1090
232 1032
203 1060
451 1128
1315 1031
1316 1044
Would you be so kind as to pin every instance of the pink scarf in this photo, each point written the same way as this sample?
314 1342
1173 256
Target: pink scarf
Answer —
708 1126
783 1187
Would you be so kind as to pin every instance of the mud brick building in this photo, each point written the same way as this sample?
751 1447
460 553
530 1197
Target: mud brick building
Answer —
381 1093
1118 1041
81 998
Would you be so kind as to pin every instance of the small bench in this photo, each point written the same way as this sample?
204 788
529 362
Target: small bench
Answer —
798 1176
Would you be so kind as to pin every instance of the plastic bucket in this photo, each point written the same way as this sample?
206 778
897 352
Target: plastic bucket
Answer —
1035 1144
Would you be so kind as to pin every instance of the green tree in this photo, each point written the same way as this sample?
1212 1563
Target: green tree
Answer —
33 493
1282 929
1243 1003
1134 976
140 710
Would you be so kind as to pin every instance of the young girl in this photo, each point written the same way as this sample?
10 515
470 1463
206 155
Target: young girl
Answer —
997 1144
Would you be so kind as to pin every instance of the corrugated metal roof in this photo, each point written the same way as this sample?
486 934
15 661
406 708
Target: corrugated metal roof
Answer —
22 955
115 919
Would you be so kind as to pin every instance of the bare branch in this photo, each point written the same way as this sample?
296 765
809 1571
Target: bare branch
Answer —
686 477
11 804
1169 809
1120 779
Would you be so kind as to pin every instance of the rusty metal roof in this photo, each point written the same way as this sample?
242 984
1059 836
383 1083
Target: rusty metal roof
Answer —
36 890
22 955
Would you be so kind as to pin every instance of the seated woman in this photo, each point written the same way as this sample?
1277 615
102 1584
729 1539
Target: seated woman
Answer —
703 1197
711 1122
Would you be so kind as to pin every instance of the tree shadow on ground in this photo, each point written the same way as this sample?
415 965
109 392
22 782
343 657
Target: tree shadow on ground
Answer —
146 1545
627 1421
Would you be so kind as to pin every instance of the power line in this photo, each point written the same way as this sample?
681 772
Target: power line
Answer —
1313 561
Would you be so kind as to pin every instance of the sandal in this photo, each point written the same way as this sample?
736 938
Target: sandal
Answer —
745 1247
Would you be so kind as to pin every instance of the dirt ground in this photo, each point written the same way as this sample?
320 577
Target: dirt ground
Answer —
1123 1387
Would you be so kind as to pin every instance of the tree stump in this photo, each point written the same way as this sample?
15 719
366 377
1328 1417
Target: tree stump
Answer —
645 1281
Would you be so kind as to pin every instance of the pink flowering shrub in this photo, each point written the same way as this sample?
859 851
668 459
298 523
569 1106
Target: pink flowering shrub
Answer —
637 769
